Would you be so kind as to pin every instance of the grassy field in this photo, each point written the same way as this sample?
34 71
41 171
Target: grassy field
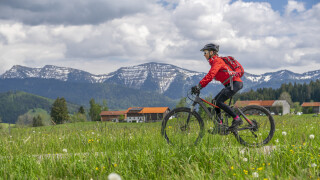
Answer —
93 150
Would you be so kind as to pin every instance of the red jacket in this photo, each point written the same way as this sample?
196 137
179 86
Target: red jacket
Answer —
218 71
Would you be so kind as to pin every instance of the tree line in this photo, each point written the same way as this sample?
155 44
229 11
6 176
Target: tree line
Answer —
59 111
298 92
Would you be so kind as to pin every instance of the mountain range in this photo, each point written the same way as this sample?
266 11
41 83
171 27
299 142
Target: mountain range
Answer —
165 79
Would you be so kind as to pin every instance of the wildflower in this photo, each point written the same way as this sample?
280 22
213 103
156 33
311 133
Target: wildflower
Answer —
245 159
34 131
268 164
92 132
277 140
313 165
115 165
255 174
263 164
231 167
114 176
97 168
234 174
65 150
245 172
311 136
284 133
242 151
260 168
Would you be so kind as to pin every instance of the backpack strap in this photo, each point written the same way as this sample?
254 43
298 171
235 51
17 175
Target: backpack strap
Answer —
231 81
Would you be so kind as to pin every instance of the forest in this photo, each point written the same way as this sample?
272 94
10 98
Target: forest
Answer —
298 92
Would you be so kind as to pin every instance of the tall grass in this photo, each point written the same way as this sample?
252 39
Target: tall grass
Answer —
137 151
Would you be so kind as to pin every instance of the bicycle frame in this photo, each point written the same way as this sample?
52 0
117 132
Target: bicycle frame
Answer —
201 101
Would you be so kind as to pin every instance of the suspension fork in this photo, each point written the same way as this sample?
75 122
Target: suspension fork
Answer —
191 111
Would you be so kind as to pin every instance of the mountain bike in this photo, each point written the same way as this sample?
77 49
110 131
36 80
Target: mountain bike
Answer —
184 125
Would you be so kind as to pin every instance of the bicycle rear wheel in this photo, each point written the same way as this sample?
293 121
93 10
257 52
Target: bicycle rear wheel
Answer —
262 130
182 127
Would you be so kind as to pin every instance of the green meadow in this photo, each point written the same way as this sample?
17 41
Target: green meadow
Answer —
93 150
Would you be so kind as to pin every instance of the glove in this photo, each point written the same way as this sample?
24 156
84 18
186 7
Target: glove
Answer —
196 89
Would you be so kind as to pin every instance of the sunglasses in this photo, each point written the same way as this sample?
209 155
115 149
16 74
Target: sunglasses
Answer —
205 52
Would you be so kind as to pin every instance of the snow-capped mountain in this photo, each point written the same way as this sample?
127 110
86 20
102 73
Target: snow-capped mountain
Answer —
52 72
162 78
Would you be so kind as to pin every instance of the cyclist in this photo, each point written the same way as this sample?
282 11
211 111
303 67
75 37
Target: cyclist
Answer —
220 71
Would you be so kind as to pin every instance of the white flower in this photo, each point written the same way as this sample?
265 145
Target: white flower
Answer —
284 133
65 150
114 176
242 151
245 159
255 174
311 136
92 132
34 131
313 165
277 140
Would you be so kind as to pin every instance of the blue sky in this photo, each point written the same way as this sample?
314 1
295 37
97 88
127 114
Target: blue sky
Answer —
102 36
279 5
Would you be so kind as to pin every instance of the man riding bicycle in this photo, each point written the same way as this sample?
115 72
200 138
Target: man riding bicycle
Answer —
220 71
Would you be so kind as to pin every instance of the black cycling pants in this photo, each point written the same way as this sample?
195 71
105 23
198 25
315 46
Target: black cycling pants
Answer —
224 95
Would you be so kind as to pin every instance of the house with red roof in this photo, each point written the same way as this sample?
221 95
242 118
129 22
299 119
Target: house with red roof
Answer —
146 114
136 114
276 106
314 105
115 116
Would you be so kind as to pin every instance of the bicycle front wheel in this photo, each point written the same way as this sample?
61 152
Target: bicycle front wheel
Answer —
182 127
261 129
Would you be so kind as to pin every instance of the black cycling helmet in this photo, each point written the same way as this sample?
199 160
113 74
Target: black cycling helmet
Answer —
211 47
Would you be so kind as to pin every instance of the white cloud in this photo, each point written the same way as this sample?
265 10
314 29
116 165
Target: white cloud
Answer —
165 31
294 6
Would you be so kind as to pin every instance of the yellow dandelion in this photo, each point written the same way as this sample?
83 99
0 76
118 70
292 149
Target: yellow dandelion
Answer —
231 167
115 165
268 164
234 174
260 168
292 145
252 168
304 144
97 168
265 179
104 167
170 127
263 164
